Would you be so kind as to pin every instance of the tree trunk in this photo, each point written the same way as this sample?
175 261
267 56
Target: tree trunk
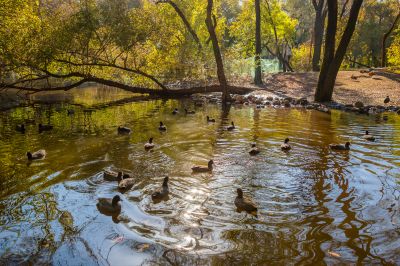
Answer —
385 37
257 58
318 34
332 60
217 54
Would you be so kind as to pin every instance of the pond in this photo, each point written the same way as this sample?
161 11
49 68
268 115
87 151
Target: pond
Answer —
314 205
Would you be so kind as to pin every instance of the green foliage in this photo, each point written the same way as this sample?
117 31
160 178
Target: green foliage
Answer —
301 57
394 51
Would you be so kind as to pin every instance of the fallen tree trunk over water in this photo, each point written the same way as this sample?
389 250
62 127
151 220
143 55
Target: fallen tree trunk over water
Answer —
130 88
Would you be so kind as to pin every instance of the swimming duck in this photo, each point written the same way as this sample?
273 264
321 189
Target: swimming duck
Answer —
112 176
108 205
20 128
340 147
162 127
286 146
387 100
201 169
124 130
189 112
126 182
37 155
210 120
175 111
254 150
45 128
162 192
231 127
243 203
369 137
149 145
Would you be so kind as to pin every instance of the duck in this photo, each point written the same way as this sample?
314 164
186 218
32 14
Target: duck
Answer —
124 130
286 146
387 100
175 111
231 127
162 192
369 137
45 128
109 205
210 120
202 169
254 150
340 147
20 128
243 203
112 176
149 145
162 127
371 74
37 155
126 182
354 77
189 112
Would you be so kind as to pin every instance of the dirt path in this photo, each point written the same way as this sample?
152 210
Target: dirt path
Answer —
369 90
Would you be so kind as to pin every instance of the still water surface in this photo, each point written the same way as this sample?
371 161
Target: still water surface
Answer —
315 206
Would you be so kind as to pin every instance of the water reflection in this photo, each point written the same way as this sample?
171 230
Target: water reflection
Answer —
315 205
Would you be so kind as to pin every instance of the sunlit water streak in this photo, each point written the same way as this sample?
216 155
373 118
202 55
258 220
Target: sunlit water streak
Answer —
314 204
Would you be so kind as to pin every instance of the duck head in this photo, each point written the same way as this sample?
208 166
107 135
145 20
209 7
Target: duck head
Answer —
115 200
253 145
150 140
366 132
161 124
208 118
287 140
29 155
239 192
233 124
119 175
347 145
165 182
210 163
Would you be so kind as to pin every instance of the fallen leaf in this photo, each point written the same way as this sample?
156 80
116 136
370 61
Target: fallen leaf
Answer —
142 247
334 254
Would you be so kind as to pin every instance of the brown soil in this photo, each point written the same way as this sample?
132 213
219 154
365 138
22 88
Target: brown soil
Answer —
369 90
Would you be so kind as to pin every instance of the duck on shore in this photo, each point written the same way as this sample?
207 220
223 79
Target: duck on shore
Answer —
109 205
231 127
210 120
189 112
175 111
124 130
340 147
243 203
369 137
254 150
387 100
37 155
202 169
286 146
162 127
149 145
162 192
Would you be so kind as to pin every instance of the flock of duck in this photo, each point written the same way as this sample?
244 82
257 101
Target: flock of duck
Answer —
112 206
